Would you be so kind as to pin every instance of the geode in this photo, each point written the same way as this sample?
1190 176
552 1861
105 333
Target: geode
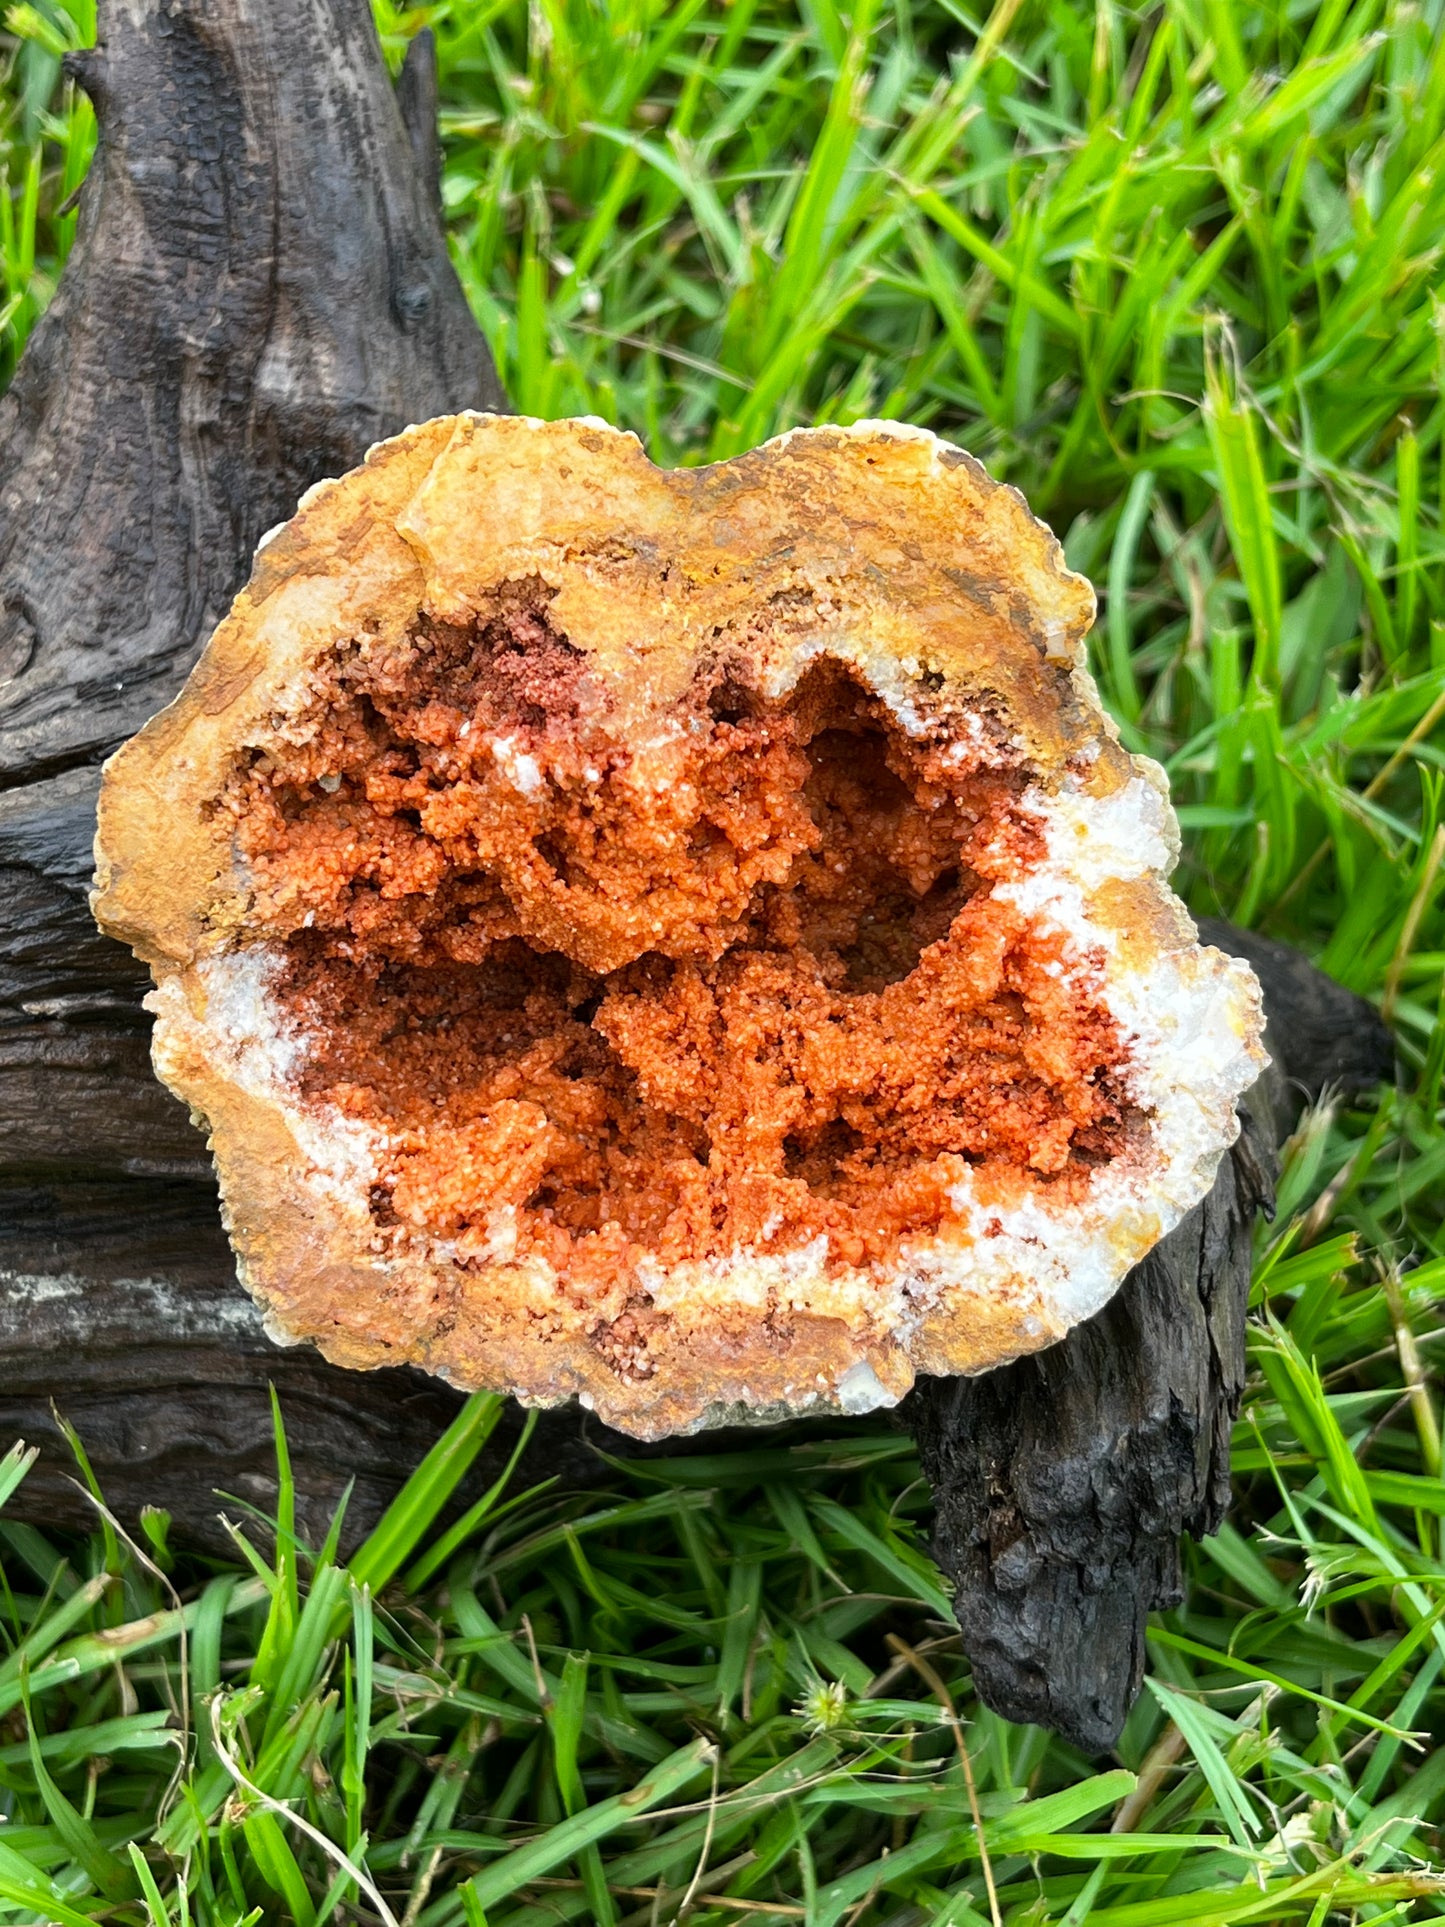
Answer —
689 940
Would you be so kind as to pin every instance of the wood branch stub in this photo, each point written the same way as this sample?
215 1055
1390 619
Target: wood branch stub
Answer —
416 96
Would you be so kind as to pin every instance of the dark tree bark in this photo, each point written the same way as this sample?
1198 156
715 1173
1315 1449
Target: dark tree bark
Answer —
1062 1482
259 290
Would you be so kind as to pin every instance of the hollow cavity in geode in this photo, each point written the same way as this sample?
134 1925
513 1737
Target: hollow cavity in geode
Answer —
739 986
685 939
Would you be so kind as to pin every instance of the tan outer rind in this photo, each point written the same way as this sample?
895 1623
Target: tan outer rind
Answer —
905 558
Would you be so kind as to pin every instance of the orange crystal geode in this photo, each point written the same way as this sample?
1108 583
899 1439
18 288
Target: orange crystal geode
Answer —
689 940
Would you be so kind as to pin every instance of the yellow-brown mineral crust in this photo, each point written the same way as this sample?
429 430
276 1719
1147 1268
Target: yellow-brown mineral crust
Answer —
685 939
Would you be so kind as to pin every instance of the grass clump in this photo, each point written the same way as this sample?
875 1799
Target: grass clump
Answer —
1175 273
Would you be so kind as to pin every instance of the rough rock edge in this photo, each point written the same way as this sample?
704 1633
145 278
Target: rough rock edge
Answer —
176 762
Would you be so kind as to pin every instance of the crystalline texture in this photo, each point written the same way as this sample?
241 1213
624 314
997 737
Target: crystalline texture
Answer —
689 940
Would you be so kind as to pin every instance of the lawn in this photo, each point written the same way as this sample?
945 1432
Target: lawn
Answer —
1177 274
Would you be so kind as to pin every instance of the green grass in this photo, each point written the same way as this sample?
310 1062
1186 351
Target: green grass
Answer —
1177 274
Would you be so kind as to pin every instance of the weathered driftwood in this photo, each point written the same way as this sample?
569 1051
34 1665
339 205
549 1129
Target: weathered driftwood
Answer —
259 290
